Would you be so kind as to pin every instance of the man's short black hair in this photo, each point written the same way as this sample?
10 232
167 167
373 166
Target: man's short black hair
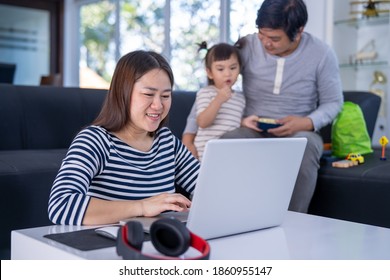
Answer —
288 15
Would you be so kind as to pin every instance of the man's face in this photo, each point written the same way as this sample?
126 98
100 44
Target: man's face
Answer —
276 41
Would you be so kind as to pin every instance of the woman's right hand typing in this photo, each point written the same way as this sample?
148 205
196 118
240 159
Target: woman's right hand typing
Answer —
155 205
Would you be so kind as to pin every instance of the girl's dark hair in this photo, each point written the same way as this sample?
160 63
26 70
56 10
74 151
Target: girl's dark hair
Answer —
115 113
218 52
288 15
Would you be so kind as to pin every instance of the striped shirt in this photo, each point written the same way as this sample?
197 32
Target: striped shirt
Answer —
228 117
98 164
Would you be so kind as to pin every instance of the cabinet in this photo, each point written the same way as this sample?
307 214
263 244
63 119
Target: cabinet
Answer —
362 46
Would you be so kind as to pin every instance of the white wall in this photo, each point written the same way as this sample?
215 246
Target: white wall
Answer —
320 19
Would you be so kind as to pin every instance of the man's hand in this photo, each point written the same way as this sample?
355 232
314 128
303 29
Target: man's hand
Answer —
291 125
251 122
188 141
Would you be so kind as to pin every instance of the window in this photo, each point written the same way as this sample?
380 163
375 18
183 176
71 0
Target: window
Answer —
110 29
97 50
30 37
141 25
191 23
243 18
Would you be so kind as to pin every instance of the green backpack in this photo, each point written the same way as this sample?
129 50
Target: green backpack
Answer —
349 132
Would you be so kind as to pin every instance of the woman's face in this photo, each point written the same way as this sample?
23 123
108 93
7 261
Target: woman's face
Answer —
150 101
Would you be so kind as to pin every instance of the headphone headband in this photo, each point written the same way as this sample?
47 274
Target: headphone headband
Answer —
132 249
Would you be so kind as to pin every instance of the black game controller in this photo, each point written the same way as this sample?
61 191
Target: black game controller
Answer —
265 124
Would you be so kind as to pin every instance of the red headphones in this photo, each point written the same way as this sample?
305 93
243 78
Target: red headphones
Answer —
169 236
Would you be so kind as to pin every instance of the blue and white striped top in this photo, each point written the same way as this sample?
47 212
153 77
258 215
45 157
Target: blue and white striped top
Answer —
98 164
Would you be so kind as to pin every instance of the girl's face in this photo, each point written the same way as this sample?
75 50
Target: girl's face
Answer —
224 72
150 101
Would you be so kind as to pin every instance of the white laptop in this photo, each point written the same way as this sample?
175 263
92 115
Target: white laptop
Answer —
243 185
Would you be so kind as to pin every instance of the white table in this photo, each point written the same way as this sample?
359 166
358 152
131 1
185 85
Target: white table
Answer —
301 236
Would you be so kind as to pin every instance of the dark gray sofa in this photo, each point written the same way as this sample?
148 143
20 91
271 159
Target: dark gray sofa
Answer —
361 193
37 125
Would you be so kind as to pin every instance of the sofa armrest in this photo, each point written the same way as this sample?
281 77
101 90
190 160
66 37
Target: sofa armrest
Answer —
182 102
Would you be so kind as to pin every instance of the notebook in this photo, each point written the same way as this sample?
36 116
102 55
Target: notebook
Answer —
243 185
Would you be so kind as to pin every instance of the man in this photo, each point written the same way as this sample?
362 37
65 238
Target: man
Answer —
290 76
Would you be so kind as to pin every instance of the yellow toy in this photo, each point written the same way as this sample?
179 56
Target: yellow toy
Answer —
352 159
355 157
383 141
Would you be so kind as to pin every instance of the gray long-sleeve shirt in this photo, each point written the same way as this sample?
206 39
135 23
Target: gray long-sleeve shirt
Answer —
304 83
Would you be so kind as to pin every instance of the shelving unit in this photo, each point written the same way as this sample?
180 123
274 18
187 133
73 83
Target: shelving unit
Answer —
362 46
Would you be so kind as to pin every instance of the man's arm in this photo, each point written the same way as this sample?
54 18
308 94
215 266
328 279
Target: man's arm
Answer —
188 141
330 94
190 130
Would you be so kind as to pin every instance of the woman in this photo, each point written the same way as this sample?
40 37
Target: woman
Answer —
126 163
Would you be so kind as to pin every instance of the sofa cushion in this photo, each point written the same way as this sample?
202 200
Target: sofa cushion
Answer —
359 193
11 119
45 117
26 177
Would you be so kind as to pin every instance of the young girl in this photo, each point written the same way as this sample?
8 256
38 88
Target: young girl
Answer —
219 109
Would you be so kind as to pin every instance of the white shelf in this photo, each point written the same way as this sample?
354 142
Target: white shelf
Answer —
363 22
371 64
352 36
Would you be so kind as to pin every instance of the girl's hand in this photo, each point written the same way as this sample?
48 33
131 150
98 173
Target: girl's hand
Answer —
224 94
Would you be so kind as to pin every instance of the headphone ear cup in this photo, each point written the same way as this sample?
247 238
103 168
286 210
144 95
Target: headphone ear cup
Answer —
135 234
170 236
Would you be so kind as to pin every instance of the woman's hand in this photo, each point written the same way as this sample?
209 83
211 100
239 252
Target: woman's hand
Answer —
101 211
155 205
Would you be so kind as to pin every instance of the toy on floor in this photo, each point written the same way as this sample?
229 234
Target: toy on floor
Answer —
383 141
